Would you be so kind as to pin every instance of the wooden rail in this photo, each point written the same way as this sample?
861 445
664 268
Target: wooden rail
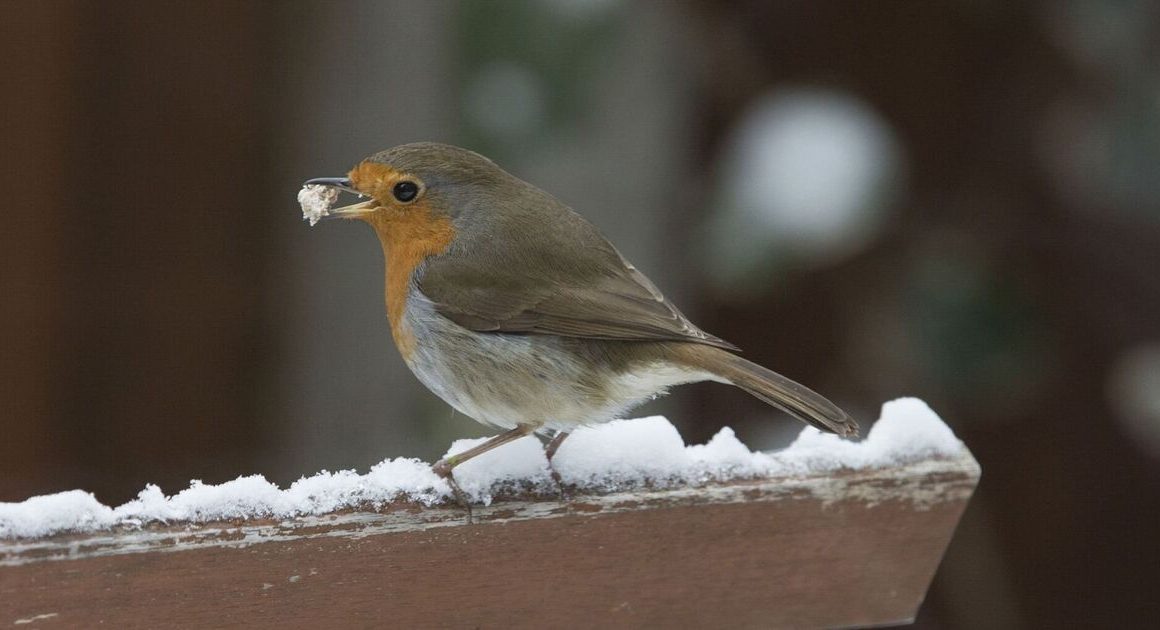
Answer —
849 549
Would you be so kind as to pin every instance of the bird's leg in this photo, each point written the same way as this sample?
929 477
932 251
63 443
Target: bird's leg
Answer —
460 495
444 466
550 452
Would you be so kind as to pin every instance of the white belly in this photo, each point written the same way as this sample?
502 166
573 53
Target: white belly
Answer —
504 380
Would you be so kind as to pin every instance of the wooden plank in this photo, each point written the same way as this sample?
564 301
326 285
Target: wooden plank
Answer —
851 549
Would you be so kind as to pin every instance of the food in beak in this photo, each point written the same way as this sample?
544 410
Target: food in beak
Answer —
316 201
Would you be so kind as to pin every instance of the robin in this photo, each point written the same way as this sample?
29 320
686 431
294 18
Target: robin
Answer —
519 313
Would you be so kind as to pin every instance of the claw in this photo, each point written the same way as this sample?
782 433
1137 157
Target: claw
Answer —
443 469
549 453
444 466
561 489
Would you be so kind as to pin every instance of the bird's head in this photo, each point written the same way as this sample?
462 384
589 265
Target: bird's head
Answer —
437 180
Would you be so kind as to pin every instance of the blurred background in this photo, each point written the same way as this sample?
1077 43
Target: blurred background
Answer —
956 200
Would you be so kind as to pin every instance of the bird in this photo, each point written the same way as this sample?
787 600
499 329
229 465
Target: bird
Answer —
519 313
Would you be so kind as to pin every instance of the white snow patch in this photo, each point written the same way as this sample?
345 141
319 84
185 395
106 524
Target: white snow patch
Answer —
615 456
621 452
316 202
520 462
74 510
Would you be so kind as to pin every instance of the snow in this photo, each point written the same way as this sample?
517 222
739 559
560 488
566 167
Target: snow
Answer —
521 462
74 510
316 202
622 453
616 456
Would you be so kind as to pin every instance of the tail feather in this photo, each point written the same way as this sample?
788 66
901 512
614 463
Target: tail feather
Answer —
776 390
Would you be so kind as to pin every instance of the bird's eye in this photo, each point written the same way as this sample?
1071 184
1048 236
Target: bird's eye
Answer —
405 191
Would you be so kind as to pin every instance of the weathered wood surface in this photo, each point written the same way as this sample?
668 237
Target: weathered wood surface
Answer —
850 549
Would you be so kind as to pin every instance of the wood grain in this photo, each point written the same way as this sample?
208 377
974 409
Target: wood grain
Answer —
853 549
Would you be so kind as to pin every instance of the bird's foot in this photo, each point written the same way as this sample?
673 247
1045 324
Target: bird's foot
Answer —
562 491
549 453
443 469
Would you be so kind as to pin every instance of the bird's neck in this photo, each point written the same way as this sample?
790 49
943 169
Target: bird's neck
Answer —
408 236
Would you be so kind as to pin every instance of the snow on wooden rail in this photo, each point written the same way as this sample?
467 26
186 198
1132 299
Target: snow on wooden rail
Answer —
819 545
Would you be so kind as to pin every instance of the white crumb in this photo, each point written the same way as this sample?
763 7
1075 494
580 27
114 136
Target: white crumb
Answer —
618 455
316 202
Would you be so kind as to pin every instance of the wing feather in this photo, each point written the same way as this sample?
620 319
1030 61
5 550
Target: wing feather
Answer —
570 282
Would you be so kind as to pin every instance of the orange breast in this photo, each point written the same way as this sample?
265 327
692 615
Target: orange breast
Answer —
408 234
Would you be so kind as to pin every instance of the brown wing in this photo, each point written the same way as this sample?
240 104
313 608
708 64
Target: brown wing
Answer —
567 280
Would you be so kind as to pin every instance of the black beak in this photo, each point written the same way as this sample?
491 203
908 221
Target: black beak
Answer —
341 183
